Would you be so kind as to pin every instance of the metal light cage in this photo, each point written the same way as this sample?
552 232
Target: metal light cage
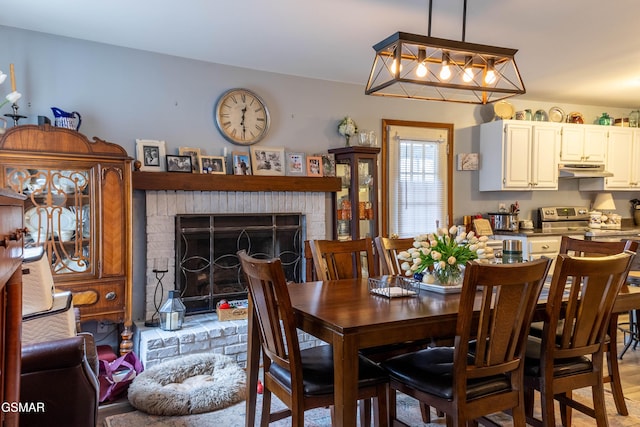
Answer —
412 50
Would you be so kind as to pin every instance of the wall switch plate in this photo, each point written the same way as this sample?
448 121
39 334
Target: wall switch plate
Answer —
502 207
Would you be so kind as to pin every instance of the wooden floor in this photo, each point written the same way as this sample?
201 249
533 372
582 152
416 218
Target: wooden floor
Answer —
629 371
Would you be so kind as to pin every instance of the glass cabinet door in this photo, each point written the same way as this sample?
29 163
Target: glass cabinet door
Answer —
356 204
57 214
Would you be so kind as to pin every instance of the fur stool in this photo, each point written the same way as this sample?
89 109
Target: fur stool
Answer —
190 385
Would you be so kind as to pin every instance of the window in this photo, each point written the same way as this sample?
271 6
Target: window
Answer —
416 172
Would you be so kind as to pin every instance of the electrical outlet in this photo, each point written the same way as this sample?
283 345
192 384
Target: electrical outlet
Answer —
502 207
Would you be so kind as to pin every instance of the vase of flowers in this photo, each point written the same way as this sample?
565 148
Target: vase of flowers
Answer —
441 256
347 128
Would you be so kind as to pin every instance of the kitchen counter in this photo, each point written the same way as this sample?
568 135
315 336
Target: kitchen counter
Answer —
586 232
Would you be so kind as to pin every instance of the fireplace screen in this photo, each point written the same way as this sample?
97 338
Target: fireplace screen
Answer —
207 268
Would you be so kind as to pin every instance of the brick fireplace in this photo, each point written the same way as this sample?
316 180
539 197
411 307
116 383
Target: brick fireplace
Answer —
163 206
204 332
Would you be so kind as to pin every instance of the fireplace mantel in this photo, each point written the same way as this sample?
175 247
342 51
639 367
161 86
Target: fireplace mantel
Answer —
160 181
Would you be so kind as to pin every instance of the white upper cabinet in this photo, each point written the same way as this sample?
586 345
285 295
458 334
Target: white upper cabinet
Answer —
583 144
518 155
623 161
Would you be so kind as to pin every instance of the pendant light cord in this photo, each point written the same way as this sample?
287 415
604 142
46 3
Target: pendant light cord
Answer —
464 19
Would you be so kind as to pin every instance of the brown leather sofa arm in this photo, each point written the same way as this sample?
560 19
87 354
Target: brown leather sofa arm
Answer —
57 375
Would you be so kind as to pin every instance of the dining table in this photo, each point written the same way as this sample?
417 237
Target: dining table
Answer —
345 314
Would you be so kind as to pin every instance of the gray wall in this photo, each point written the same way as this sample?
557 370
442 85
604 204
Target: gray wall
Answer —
124 94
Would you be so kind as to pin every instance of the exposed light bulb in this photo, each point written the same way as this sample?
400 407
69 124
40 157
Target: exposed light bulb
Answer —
468 70
490 77
394 66
421 71
445 71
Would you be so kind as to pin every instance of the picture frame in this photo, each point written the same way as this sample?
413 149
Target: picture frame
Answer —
213 165
267 160
328 163
314 166
295 164
179 164
195 154
151 154
241 163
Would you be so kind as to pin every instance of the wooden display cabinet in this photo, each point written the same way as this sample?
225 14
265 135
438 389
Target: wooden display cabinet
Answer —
355 206
78 207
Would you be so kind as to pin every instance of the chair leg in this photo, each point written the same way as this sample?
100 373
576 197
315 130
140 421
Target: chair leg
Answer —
612 365
546 404
365 412
528 401
391 402
381 407
565 410
426 412
265 418
599 405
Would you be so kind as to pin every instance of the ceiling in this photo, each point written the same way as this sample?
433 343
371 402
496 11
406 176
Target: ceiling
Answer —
570 51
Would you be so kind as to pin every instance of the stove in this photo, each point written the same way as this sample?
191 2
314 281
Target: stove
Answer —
564 219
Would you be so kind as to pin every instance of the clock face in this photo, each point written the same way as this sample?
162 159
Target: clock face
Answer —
242 117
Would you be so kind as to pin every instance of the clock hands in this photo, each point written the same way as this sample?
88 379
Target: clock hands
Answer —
244 128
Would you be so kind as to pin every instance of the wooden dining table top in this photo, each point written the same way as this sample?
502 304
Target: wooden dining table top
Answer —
345 314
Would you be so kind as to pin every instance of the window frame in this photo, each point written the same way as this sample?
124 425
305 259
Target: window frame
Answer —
384 168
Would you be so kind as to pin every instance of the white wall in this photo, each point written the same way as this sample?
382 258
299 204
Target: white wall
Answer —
124 94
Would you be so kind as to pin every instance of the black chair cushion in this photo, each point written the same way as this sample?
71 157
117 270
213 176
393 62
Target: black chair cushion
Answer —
431 371
317 371
561 367
536 330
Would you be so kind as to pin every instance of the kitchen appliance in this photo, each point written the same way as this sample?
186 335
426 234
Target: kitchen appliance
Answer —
503 221
560 219
567 220
583 170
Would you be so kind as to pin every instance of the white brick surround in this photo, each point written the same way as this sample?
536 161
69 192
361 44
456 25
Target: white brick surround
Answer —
163 206
204 333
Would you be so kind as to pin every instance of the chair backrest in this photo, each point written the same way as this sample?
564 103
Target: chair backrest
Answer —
272 307
509 298
309 268
342 259
589 286
387 250
577 247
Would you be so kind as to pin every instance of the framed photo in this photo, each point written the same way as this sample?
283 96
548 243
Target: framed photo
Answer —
295 164
314 166
195 154
151 154
267 160
328 164
241 163
179 163
213 164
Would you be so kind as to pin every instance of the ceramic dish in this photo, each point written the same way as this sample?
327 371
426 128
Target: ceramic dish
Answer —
504 110
36 219
556 115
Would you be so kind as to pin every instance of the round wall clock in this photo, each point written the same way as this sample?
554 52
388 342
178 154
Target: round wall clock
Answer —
242 116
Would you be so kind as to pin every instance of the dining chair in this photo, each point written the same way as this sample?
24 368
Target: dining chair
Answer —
578 247
483 372
301 378
343 259
387 250
570 353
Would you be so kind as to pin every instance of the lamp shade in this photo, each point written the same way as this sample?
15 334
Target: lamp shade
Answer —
604 202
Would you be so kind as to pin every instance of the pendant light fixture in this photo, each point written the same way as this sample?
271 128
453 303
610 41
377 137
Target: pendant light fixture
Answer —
424 67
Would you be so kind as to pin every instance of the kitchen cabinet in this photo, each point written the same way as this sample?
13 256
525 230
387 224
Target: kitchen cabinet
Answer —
536 247
623 161
583 143
78 207
518 155
355 205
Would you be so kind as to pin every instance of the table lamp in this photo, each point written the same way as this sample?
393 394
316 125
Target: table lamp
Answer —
605 204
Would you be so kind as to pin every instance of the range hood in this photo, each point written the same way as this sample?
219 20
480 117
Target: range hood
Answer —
583 170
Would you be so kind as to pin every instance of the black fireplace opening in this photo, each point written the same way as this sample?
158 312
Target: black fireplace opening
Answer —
207 267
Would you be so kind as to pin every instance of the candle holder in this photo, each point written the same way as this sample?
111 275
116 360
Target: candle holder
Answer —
15 116
155 318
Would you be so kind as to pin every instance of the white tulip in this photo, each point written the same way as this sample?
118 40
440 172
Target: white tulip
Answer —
452 260
436 255
405 266
453 230
3 77
13 97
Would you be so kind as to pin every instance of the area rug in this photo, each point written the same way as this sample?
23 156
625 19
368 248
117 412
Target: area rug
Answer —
408 410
